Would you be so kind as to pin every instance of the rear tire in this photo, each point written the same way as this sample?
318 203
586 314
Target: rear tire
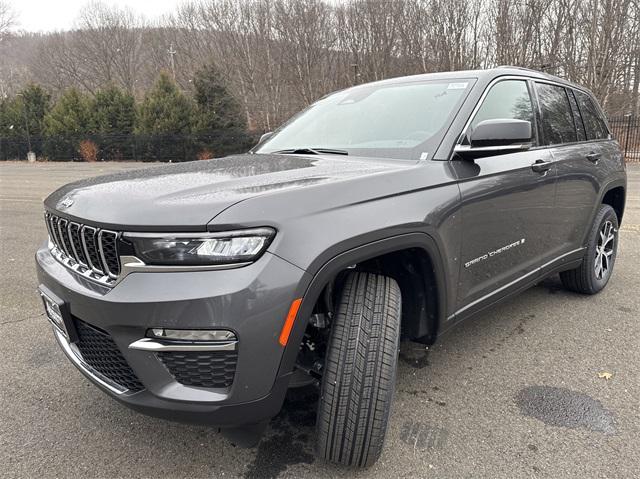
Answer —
360 371
597 265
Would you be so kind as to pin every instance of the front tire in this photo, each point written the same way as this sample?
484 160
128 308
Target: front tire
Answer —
597 265
360 371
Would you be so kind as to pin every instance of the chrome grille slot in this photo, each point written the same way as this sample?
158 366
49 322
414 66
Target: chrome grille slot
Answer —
63 233
47 221
90 252
76 243
53 223
107 242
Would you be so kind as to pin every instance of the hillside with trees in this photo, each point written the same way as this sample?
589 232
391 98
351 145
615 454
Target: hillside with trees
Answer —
273 57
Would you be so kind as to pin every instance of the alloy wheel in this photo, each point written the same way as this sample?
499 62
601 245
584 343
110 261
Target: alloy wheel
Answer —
605 250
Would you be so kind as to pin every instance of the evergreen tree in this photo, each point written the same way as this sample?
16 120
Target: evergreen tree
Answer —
66 125
21 122
216 107
113 111
32 104
10 138
165 109
220 123
164 118
113 116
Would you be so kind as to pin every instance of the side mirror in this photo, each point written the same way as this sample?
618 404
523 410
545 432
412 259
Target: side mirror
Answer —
495 136
265 136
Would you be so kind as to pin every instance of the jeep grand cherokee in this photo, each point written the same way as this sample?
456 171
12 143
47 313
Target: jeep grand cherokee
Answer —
393 210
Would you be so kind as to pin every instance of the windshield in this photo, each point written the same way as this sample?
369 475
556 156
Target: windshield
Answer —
403 121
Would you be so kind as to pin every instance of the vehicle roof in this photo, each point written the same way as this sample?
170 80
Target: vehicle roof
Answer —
485 75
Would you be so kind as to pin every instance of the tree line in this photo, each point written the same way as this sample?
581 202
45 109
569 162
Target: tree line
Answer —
277 56
111 125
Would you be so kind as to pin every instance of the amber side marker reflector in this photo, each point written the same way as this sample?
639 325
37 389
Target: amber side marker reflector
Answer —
288 323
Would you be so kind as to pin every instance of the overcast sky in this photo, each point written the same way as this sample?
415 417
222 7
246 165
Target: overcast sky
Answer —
48 15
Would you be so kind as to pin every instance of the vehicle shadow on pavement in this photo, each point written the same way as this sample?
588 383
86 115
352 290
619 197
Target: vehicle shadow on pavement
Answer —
289 437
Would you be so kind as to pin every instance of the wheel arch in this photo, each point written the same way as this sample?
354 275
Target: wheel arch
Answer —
434 285
613 188
615 196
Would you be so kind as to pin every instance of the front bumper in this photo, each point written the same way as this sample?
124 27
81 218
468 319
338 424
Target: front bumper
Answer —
252 301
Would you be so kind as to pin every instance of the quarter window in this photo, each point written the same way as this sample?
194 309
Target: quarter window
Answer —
508 99
593 122
557 119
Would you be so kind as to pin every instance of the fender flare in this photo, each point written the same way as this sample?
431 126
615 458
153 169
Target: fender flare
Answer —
601 194
620 182
310 292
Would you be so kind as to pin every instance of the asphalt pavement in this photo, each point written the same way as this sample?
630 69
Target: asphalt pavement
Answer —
520 391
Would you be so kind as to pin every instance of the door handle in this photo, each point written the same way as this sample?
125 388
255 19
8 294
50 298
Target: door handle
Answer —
540 166
593 157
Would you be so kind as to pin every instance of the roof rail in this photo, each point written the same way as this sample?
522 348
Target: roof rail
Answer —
517 68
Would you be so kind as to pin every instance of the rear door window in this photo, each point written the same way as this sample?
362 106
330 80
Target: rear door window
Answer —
577 118
593 123
558 126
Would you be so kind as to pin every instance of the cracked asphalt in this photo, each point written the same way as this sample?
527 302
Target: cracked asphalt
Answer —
515 392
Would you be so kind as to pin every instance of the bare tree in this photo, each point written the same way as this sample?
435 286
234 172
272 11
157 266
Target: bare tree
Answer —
7 18
278 56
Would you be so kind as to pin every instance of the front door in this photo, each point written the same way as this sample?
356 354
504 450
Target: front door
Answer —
506 205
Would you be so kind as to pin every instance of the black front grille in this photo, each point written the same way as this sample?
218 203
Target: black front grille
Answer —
100 352
207 369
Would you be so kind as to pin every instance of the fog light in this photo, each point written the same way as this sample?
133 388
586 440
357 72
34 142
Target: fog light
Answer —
191 334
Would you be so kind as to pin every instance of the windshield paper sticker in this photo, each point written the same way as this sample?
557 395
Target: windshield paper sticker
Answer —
493 253
457 86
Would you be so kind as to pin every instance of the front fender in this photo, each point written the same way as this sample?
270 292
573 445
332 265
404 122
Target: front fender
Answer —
310 292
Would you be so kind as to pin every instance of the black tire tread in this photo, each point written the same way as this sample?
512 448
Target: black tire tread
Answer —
359 373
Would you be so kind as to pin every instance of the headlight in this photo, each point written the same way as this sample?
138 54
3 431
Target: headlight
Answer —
201 249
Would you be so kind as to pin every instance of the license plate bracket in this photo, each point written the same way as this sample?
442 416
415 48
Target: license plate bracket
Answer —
58 314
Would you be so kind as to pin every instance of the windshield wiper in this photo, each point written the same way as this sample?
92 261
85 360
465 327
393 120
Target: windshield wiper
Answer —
310 151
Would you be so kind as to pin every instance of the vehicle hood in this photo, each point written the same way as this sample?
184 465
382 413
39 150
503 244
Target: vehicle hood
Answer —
183 196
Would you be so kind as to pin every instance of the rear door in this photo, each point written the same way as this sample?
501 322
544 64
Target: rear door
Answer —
505 205
577 151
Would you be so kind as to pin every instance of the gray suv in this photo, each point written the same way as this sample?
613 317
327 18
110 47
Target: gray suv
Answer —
393 210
